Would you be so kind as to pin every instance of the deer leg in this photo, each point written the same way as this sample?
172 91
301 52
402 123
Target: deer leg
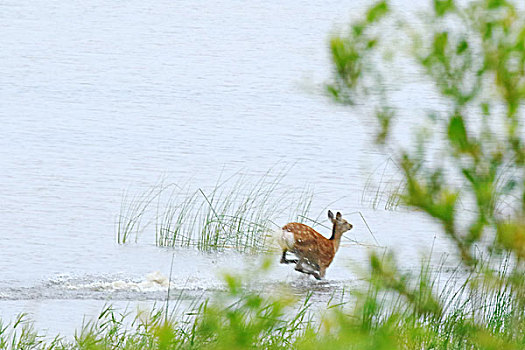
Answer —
314 265
320 273
286 261
300 267
317 275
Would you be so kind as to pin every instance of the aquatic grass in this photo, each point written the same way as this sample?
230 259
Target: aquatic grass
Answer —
236 213
410 308
170 226
384 187
241 215
20 335
133 210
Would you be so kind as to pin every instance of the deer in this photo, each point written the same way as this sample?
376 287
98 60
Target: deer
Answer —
314 252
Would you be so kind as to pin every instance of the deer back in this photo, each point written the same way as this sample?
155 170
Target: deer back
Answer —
310 244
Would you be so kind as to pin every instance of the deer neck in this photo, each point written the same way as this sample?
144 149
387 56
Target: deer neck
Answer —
336 237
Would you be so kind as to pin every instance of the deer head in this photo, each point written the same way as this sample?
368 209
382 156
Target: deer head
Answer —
340 225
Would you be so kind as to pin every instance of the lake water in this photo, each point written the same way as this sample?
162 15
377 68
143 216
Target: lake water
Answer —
104 97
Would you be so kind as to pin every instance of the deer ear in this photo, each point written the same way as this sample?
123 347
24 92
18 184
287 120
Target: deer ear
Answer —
330 215
338 216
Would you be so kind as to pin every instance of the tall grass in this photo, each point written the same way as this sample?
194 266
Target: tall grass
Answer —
475 317
238 213
383 187
133 211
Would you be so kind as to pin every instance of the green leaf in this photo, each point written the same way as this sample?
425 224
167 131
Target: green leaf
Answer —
493 4
440 43
457 133
462 47
333 91
375 13
443 6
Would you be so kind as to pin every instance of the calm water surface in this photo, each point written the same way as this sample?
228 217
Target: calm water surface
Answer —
102 97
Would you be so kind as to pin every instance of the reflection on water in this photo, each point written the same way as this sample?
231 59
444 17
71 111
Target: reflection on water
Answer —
102 97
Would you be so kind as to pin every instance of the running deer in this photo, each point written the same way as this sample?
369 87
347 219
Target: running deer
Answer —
314 252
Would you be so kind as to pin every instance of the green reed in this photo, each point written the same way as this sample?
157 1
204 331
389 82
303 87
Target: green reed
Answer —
238 213
133 211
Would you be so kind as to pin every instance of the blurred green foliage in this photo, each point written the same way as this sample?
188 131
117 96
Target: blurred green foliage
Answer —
473 54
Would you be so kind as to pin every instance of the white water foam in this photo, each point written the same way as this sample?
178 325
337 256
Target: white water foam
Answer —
154 282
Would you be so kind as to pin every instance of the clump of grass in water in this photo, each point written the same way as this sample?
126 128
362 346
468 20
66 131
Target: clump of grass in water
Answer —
387 189
133 209
235 213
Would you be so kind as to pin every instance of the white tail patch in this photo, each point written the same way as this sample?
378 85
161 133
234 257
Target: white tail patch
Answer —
285 239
